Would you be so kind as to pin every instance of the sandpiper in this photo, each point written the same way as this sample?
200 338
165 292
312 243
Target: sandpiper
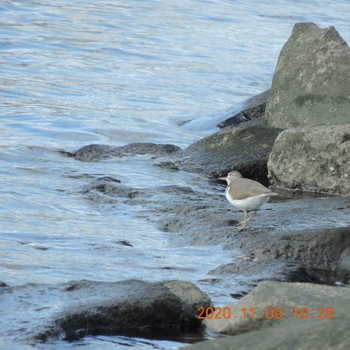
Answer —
245 194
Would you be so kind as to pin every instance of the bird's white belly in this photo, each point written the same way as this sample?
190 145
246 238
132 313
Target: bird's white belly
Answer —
250 203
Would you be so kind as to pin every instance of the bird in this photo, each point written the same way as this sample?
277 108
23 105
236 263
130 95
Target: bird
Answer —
246 195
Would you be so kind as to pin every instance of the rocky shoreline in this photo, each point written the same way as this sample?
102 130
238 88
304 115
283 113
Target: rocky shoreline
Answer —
308 104
295 137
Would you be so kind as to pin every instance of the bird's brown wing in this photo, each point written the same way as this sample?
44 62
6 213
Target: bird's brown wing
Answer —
243 188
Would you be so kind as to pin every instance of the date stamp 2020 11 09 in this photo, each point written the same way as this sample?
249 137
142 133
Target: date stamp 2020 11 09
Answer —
269 313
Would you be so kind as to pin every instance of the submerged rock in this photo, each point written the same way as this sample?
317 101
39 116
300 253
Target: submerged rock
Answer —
167 165
108 190
311 82
314 158
96 152
128 307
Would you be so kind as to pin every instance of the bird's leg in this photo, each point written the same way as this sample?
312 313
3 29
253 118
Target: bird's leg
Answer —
245 215
245 221
252 216
243 227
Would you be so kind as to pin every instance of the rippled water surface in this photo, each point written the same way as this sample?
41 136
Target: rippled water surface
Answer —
115 72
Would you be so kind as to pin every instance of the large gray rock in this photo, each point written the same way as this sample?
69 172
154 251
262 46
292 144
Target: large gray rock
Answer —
311 81
128 306
319 330
244 148
286 296
314 158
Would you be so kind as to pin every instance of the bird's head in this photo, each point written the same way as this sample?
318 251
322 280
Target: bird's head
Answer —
231 176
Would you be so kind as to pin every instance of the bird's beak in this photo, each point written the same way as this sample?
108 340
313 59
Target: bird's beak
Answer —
222 178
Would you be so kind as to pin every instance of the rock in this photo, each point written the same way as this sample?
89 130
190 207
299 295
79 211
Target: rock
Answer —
174 190
310 230
191 298
314 158
167 165
245 148
149 148
124 243
128 306
92 153
3 284
343 267
253 108
317 248
311 82
286 296
95 152
325 326
108 190
268 269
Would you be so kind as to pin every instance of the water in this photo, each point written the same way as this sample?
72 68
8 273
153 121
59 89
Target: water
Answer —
74 73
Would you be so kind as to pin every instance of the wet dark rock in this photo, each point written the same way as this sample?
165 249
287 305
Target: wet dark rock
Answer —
238 295
167 165
175 189
268 269
109 190
148 148
143 308
317 248
91 153
96 152
3 284
312 158
310 83
125 243
108 179
253 108
245 148
325 327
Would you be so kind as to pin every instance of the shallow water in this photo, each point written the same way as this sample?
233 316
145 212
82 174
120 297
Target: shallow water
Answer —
74 73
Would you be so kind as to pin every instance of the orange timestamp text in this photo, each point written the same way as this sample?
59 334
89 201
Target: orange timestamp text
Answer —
269 313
